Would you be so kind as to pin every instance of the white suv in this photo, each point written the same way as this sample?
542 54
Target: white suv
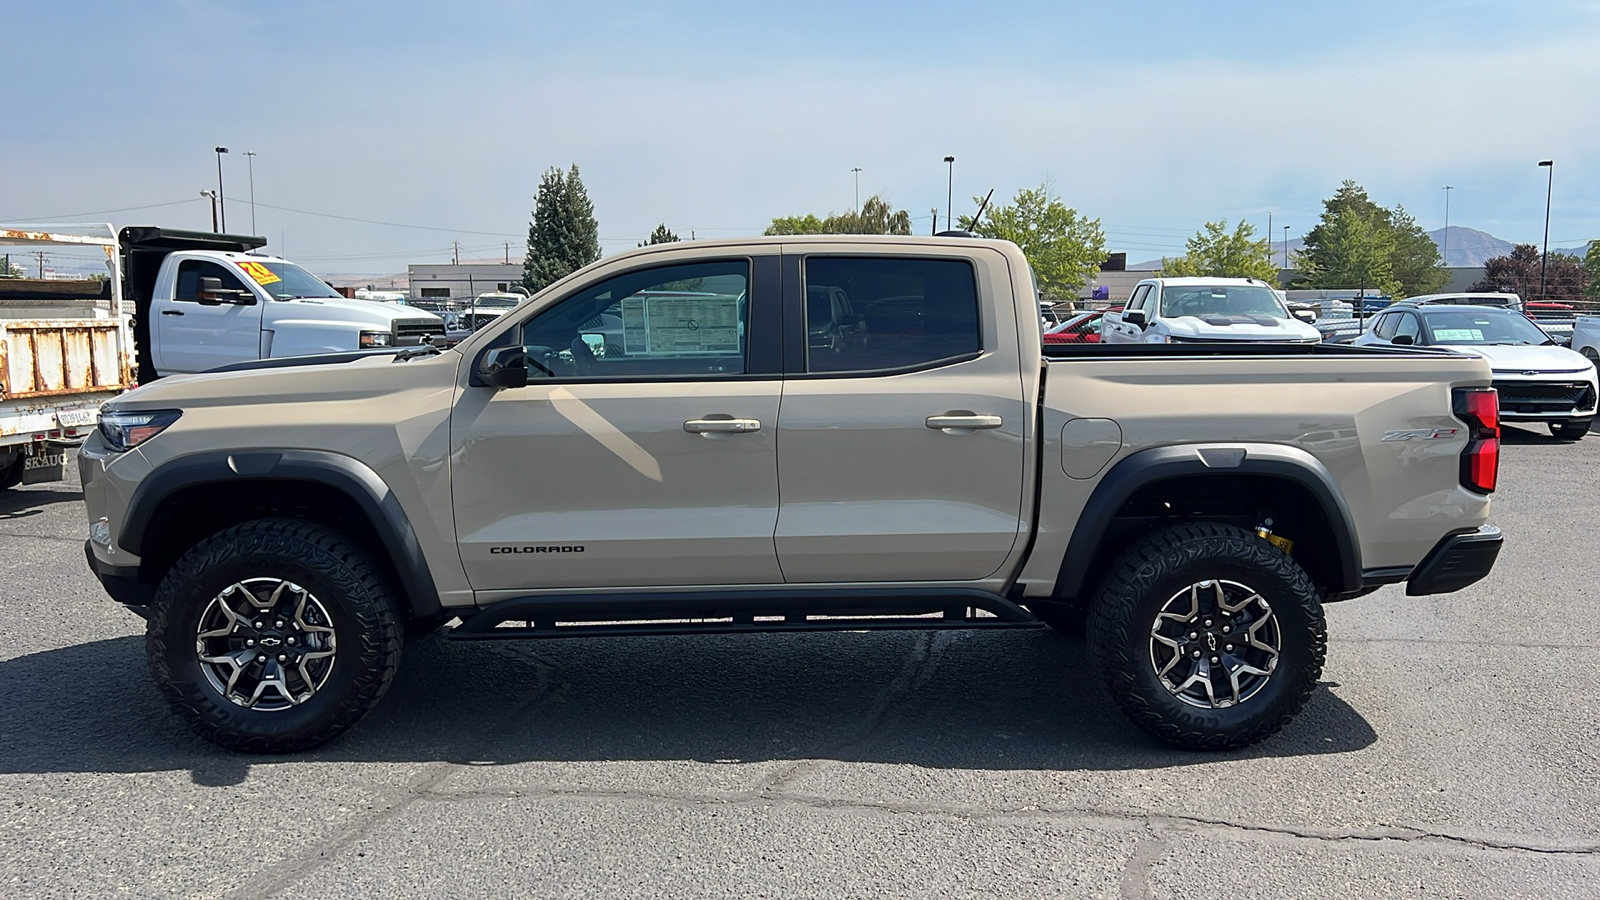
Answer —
1193 310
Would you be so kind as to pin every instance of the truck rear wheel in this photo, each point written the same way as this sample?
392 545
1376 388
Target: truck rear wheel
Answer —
273 636
11 470
1208 637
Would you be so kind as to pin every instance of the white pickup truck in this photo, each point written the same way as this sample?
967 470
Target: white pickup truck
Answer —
202 301
1586 338
1200 310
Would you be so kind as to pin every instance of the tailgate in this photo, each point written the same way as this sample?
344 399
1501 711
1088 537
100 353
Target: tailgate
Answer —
47 358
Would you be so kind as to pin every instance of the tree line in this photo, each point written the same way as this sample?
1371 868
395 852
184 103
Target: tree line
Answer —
1356 244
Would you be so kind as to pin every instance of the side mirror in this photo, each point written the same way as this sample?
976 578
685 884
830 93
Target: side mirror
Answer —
1136 317
851 320
505 367
1305 315
212 293
1403 340
596 342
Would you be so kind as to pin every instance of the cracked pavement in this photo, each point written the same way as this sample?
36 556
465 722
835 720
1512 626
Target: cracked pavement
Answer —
1448 753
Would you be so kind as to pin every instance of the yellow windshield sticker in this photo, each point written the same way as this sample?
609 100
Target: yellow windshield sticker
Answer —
259 272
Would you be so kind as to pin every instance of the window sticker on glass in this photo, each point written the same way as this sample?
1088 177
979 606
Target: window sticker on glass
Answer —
259 272
680 323
1458 334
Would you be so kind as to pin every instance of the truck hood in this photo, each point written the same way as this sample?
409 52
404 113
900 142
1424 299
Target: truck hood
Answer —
1519 358
1241 328
358 310
292 381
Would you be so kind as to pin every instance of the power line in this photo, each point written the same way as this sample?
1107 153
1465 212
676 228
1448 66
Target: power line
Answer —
307 212
98 212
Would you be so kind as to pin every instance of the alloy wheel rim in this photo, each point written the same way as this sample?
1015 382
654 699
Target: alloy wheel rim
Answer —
1215 644
266 644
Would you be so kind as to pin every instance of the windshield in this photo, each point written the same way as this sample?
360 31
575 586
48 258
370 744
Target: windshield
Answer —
496 302
1220 300
285 280
1483 326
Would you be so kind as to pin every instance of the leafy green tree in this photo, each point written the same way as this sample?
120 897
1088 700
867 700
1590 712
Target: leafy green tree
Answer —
1416 262
807 224
1216 253
1350 250
662 235
563 236
876 216
1064 248
1339 254
1591 266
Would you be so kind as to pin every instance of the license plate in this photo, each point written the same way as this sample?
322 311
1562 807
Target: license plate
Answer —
77 418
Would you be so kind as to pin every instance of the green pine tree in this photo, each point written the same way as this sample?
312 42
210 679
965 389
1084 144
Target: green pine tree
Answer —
563 236
662 235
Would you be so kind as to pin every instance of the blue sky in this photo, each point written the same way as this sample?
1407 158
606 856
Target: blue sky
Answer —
1152 115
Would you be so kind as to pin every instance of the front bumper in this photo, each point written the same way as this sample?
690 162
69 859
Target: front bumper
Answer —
121 582
1456 561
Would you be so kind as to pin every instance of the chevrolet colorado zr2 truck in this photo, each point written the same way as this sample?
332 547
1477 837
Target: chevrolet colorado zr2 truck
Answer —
657 445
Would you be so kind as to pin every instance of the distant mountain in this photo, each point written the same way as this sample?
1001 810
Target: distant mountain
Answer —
1468 246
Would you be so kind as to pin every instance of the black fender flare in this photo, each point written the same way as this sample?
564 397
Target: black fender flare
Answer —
350 477
1161 463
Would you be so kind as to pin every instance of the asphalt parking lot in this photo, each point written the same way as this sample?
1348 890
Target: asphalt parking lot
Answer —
1450 752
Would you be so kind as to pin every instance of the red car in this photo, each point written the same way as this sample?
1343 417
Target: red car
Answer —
1083 328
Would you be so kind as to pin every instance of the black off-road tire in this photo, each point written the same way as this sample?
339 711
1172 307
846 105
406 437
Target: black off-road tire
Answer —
11 473
1152 573
345 583
1570 431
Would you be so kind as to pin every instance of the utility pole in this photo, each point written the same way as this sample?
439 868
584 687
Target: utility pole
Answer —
935 221
455 252
1286 246
1544 258
857 170
1445 253
508 253
212 194
250 158
39 255
221 197
950 193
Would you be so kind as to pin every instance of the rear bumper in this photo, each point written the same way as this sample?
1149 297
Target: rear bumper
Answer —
121 582
1455 562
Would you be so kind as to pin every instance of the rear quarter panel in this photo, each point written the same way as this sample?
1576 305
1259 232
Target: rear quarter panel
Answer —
1403 495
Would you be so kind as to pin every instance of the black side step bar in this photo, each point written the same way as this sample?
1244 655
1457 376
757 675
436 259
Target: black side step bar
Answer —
742 612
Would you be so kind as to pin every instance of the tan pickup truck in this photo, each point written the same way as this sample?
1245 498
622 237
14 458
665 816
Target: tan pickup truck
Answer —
787 434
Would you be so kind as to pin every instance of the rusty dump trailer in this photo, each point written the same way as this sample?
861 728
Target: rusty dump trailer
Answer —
66 347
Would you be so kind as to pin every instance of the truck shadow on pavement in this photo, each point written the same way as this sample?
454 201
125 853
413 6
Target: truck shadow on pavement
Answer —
949 700
19 504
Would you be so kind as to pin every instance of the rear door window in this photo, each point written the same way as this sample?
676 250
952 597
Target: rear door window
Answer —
865 314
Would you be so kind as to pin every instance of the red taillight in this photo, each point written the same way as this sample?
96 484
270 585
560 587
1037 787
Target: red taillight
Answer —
1480 462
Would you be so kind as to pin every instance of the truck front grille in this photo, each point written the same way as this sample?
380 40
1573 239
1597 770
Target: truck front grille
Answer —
1544 396
410 332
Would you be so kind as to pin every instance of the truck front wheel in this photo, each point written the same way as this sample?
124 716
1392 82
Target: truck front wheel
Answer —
1208 637
273 636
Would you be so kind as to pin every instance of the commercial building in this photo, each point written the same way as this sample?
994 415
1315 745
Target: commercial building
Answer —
462 281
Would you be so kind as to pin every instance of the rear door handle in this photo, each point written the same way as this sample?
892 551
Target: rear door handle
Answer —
172 312
961 422
730 425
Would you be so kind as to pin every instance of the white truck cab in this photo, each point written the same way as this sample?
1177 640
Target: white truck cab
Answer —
1186 310
203 301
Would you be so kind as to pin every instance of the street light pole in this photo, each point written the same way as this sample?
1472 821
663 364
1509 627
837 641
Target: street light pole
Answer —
950 195
221 197
213 196
1446 252
250 159
1544 258
1286 246
857 170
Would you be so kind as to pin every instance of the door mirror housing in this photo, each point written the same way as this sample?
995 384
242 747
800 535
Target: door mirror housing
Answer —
1136 317
212 293
595 341
1403 340
504 367
1305 315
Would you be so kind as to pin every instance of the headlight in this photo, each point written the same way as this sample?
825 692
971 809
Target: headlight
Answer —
127 430
370 339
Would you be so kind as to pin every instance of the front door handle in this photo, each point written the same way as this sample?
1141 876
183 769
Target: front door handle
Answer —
172 312
962 422
717 425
